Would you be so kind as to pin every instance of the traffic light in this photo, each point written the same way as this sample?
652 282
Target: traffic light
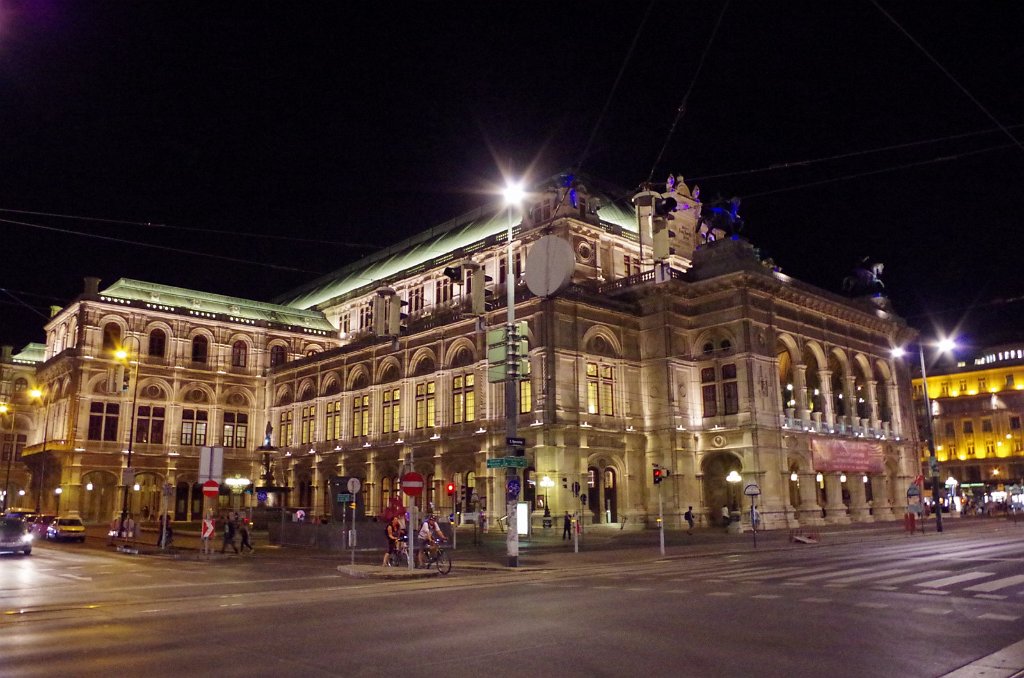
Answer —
395 315
450 488
480 296
659 475
378 314
453 273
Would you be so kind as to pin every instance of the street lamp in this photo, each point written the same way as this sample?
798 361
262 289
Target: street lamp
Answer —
945 345
59 491
513 194
9 411
951 484
122 355
38 394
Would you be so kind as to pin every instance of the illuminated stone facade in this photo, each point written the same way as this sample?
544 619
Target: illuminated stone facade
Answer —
710 362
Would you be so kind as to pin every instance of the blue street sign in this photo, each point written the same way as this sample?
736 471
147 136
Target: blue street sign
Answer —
513 486
261 495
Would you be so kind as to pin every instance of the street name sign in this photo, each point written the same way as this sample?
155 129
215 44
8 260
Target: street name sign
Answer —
507 462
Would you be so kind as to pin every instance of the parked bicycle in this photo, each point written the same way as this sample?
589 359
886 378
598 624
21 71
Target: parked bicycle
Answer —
438 557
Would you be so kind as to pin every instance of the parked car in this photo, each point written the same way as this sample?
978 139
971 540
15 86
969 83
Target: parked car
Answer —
38 524
66 528
14 535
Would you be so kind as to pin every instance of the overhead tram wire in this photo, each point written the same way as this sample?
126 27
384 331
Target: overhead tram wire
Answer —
166 248
149 224
682 105
949 75
22 302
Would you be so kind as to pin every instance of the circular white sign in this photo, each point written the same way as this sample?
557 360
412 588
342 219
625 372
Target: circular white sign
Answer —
353 485
752 490
549 266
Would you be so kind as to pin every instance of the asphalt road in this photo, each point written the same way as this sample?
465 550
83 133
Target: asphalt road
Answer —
906 607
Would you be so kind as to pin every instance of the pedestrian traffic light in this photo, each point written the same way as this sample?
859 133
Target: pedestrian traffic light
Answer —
480 296
659 475
450 488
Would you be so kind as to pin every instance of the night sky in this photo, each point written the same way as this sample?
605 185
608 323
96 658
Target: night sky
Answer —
289 138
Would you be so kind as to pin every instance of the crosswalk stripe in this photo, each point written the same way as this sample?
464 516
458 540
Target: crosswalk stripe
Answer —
767 596
832 573
917 575
869 575
998 617
990 586
932 610
956 579
990 596
782 571
815 600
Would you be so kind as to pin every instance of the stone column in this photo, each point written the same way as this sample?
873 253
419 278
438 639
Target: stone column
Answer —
850 400
809 512
859 510
825 378
872 398
880 507
800 392
835 510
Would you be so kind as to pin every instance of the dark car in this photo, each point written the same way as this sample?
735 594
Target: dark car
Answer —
15 536
37 525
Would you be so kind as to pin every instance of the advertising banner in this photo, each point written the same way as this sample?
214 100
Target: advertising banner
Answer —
860 456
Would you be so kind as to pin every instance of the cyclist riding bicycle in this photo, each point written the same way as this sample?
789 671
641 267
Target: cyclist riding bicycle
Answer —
394 534
430 535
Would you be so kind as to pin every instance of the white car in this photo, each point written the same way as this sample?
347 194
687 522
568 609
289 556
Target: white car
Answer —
14 536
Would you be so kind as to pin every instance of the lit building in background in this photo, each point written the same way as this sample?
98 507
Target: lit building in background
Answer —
977 404
654 335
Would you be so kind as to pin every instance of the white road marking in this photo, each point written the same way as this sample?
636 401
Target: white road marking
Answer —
815 600
869 575
949 581
721 594
767 596
75 576
639 588
932 610
990 596
833 573
935 593
999 617
873 606
1003 583
917 575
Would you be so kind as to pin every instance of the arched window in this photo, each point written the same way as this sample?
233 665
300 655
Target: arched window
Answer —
111 337
200 349
157 343
20 384
238 353
277 356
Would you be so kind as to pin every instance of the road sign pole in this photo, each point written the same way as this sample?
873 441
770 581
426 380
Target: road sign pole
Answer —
661 520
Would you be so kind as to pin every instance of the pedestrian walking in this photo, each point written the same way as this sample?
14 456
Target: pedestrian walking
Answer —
567 527
726 519
688 517
244 531
129 528
229 536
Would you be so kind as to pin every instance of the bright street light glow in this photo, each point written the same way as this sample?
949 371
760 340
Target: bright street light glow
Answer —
733 477
35 393
120 354
946 345
898 352
514 194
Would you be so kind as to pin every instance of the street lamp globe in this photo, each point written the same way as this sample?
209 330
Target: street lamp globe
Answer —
513 193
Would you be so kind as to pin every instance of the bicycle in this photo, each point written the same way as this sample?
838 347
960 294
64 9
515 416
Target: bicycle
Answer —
438 557
400 557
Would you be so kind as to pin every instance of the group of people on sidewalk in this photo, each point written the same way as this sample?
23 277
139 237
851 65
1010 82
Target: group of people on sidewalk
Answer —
234 525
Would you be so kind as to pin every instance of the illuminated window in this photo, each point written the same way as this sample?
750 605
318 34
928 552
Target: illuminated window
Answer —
730 387
970 450
944 392
990 447
981 384
463 398
631 265
525 396
426 407
361 416
346 323
236 429
103 421
332 424
517 264
307 430
365 317
193 427
285 428
149 425
391 410
17 442
600 389
1009 381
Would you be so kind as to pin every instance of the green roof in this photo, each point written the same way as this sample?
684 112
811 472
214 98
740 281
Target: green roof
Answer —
31 354
165 297
467 233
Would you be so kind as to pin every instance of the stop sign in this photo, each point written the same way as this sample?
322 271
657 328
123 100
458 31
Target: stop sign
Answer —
412 484
211 488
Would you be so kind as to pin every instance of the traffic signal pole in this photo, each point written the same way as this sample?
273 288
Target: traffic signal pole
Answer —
511 391
661 520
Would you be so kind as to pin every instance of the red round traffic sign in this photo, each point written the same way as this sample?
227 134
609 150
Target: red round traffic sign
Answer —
211 488
412 484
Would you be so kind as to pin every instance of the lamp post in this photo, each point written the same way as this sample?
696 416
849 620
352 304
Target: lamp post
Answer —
513 196
944 345
733 479
57 492
40 395
9 411
122 355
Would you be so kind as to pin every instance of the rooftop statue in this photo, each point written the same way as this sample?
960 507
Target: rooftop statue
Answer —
866 278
